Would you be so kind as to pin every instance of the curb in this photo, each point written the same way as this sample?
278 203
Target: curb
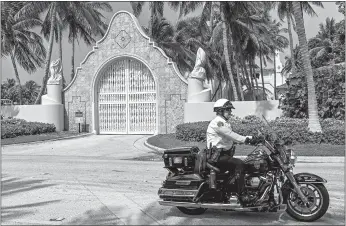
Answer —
152 146
301 159
43 141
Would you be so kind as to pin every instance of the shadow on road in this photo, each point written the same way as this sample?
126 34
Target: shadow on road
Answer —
15 185
162 215
101 216
14 212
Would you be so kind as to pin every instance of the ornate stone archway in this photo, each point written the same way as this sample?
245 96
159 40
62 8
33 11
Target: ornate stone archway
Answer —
125 39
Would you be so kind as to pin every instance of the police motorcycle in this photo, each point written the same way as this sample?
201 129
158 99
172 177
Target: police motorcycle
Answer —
194 185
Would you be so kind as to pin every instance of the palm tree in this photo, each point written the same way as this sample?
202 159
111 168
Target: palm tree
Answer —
58 29
280 42
6 86
223 8
35 8
298 62
321 47
285 11
85 20
328 30
314 123
31 90
82 19
270 40
23 46
83 11
156 10
239 18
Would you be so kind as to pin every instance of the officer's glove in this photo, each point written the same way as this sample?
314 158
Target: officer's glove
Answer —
256 140
248 139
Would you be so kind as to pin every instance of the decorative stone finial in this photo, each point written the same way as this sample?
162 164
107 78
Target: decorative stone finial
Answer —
198 71
55 72
196 80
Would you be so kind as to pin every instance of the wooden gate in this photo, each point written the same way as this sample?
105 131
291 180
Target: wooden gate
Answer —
127 99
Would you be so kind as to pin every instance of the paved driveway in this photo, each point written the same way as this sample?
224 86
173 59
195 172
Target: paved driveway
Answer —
85 181
114 146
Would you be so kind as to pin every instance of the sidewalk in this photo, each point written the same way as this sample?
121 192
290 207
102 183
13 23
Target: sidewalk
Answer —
301 159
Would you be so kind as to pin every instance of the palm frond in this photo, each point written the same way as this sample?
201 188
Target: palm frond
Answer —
137 7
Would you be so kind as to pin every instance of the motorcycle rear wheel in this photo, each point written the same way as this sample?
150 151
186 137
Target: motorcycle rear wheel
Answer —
192 211
318 197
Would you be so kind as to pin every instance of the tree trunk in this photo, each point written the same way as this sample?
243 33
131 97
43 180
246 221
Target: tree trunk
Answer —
314 123
211 17
72 60
247 82
264 90
216 91
17 78
225 53
275 75
250 87
49 55
151 20
251 82
239 82
293 70
245 73
60 57
253 73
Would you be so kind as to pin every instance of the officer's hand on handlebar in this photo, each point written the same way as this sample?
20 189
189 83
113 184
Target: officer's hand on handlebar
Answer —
254 140
248 139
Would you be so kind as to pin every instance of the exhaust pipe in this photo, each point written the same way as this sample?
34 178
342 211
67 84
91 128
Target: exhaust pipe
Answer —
220 206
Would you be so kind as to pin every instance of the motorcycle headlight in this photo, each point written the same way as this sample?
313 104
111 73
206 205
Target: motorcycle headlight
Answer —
292 158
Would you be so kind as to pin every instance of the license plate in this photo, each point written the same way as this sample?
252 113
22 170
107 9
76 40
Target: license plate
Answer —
178 160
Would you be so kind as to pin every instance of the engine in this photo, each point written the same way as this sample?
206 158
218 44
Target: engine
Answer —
255 187
254 182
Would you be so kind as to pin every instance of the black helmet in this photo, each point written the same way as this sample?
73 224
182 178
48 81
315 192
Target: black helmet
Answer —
222 104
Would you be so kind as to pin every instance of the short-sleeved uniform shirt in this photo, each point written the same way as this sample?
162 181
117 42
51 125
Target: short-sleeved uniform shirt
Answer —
220 134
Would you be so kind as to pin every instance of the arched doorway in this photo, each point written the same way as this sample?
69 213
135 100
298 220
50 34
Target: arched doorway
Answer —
126 98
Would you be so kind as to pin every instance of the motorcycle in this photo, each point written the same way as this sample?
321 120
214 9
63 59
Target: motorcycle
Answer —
270 184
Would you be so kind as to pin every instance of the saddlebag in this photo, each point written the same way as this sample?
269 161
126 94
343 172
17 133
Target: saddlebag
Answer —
183 157
180 187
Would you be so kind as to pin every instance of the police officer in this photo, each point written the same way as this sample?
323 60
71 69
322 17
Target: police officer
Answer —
221 138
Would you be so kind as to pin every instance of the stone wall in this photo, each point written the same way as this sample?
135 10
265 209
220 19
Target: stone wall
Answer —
50 113
125 38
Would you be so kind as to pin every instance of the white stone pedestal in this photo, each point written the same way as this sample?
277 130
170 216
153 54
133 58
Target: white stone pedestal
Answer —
196 91
54 97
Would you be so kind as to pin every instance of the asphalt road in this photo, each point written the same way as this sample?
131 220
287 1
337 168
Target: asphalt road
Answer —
85 181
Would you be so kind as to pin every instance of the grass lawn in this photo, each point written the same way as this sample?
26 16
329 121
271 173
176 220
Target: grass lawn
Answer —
169 141
39 137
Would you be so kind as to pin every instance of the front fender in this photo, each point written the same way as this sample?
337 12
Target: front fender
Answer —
301 178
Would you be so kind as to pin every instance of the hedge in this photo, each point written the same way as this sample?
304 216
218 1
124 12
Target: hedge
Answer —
294 131
18 127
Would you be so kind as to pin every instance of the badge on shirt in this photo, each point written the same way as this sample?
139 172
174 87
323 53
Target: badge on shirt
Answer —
219 124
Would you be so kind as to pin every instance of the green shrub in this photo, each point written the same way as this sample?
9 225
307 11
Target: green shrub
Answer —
290 130
18 127
192 131
330 91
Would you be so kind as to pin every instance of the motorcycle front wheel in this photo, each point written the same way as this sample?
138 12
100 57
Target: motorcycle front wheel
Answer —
318 198
192 211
